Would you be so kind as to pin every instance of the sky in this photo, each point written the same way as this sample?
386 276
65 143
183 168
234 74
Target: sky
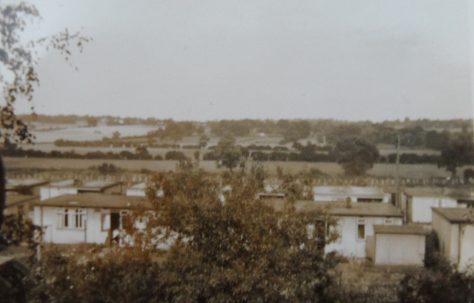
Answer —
233 59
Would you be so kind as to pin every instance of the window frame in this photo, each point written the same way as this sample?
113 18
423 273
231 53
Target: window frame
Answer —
71 218
361 223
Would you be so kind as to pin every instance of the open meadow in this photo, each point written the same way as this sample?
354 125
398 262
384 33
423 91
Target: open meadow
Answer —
414 171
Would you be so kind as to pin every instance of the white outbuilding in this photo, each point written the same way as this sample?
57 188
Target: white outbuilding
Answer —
397 245
417 202
455 230
356 224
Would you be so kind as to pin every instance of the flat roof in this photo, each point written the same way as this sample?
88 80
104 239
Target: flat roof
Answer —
456 214
16 199
411 229
97 186
366 209
347 191
92 200
138 186
455 193
360 209
13 184
64 183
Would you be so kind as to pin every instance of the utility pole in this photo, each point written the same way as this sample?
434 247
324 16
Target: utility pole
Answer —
398 201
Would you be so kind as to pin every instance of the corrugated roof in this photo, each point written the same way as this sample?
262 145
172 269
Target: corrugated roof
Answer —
401 229
95 201
456 214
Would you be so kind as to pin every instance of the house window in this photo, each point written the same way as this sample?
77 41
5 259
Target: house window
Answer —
70 218
63 218
79 218
361 229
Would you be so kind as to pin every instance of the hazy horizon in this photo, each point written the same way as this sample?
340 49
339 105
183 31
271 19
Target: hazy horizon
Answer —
213 60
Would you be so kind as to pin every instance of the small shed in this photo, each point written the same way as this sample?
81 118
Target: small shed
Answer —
397 245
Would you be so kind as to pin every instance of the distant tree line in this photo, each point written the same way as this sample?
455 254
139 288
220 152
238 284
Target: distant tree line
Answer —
413 134
306 154
141 153
107 142
430 134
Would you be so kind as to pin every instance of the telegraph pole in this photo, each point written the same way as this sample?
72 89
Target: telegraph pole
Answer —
397 176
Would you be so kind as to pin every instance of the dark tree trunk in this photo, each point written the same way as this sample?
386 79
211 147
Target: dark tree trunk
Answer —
2 190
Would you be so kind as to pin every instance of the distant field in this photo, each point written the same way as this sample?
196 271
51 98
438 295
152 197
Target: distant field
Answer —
333 169
85 133
385 149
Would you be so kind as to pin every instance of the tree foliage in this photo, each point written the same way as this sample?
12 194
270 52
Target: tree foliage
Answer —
438 284
229 154
239 249
456 154
18 69
355 155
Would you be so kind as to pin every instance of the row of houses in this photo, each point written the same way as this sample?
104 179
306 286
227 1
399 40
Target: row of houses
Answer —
374 224
371 223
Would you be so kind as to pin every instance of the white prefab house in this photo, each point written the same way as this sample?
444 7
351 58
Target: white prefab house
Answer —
59 188
397 245
350 193
356 224
455 230
419 201
83 218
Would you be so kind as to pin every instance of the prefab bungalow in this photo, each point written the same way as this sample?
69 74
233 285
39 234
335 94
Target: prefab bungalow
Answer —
397 245
417 202
455 230
356 224
355 221
353 194
83 218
